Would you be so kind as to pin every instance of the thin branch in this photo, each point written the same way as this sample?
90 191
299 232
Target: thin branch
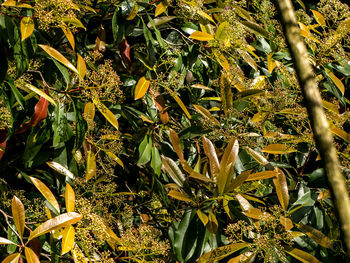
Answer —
8 223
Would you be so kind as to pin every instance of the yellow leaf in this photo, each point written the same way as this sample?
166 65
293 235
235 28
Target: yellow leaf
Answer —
133 12
243 202
13 3
278 149
319 17
286 222
69 197
221 252
181 104
221 60
74 21
13 258
39 92
206 16
336 81
90 166
302 255
179 196
221 33
200 86
81 66
57 222
330 106
68 236
201 36
257 156
5 241
18 214
281 188
89 111
69 35
106 113
304 30
78 255
161 8
271 64
59 57
258 117
115 158
45 191
256 213
31 257
339 132
262 175
316 235
174 171
212 224
247 58
259 82
141 88
203 217
60 169
206 114
302 4
27 27
242 258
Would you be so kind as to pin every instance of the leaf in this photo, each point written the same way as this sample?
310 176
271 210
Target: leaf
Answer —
115 158
221 252
256 213
316 235
13 3
243 202
210 152
133 12
221 33
206 16
60 169
145 150
90 166
106 113
302 255
161 8
230 154
4 241
141 88
181 104
2 142
40 93
222 61
203 217
173 170
57 222
27 27
319 17
59 57
262 175
69 197
330 106
18 214
212 224
69 35
201 36
175 141
281 188
278 149
271 64
78 255
239 180
206 114
73 21
68 236
89 111
242 258
247 58
286 222
31 257
179 196
81 66
45 191
156 162
13 258
341 133
200 86
336 81
255 28
124 48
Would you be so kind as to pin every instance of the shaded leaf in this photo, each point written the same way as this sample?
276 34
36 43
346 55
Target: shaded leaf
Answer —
336 81
69 197
212 224
175 141
68 236
133 12
57 222
18 214
2 142
27 27
181 104
255 28
206 114
124 48
60 169
316 235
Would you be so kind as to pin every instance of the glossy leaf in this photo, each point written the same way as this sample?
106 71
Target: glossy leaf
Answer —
212 224
175 141
90 166
271 64
256 213
203 217
69 197
281 188
27 27
341 133
278 149
319 17
3 142
243 202
206 114
59 57
69 35
255 28
201 36
115 158
60 169
262 175
316 235
57 222
45 191
78 255
133 12
336 81
242 258
173 170
13 258
302 255
68 237
161 8
81 66
181 104
73 21
40 93
206 16
287 223
110 117
141 88
179 196
210 152
5 241
31 257
18 214
89 111
221 252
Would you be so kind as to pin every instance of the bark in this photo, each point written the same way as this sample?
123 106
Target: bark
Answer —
319 123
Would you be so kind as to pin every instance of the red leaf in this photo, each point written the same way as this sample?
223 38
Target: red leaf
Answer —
2 142
125 52
40 113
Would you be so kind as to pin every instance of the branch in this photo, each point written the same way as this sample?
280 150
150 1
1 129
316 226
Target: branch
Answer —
319 123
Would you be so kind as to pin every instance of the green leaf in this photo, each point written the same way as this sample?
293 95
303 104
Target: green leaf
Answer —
156 162
145 150
255 28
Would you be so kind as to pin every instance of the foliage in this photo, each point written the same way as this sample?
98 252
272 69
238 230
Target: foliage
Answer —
164 131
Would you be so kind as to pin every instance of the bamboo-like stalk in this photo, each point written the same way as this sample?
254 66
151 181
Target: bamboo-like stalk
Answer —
319 123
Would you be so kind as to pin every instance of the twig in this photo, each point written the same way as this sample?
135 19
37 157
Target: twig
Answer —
8 223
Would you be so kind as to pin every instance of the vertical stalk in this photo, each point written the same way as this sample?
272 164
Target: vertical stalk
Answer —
319 123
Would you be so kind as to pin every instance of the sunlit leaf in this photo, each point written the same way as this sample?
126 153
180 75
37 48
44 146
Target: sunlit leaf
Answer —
256 213
341 133
31 257
60 169
221 252
262 175
330 106
221 33
281 188
302 255
242 258
73 21
278 149
78 255
173 170
316 235
115 158
110 117
13 3
27 27
210 152
59 57
206 114
69 35
4 241
206 16
221 60
248 59
45 191
141 88
336 81
200 86
57 222
89 111
69 197
201 36
90 166
81 66
203 217
40 93
287 223
179 196
18 214
161 8
243 202
133 12
257 156
13 258
319 17
175 141
271 64
68 236
181 104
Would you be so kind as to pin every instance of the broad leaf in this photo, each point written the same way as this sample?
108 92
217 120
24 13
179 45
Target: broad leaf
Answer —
69 197
201 36
221 252
281 188
206 114
210 152
278 149
179 196
69 35
81 66
60 169
5 241
68 237
31 257
18 214
174 138
161 8
141 88
316 235
13 258
302 255
181 104
319 17
27 27
115 158
336 81
173 170
90 166
106 113
262 175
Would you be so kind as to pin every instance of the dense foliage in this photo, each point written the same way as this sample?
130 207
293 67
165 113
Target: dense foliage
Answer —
167 130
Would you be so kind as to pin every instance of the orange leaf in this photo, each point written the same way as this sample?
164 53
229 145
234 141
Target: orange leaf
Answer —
68 236
69 196
69 35
319 17
81 66
18 214
281 188
175 141
278 149
31 257
262 175
13 258
27 27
